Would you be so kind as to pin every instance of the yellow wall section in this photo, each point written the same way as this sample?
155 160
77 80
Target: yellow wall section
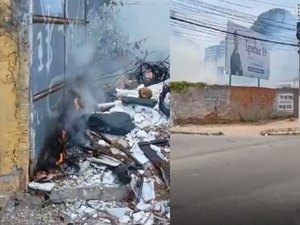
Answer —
14 104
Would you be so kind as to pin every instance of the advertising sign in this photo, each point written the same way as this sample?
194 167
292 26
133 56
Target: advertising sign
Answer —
285 102
245 55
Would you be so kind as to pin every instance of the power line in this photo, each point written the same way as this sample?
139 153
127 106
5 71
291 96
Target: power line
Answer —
274 4
227 32
190 6
215 10
210 36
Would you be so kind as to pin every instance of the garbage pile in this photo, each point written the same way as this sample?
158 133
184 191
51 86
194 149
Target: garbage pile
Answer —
124 146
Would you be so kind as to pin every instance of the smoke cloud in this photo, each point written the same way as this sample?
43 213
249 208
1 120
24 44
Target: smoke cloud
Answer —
94 68
188 59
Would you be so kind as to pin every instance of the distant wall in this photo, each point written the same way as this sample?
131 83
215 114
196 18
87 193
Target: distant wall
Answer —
223 104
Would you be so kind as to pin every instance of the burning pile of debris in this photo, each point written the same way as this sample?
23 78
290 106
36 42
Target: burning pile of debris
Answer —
113 164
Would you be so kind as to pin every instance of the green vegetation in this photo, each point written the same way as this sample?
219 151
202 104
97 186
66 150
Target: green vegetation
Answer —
181 86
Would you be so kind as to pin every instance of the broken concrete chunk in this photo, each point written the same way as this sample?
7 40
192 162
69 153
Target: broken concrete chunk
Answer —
148 191
123 143
118 212
158 152
106 160
104 221
125 220
3 201
138 154
168 215
41 186
107 106
138 216
108 178
103 143
84 166
143 206
114 193
73 194
116 151
88 193
143 218
87 210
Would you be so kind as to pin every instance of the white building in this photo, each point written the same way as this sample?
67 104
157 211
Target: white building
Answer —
215 58
293 83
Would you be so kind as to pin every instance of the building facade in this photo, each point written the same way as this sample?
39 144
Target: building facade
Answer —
214 60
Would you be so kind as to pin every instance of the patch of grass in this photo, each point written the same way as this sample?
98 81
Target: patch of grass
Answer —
181 86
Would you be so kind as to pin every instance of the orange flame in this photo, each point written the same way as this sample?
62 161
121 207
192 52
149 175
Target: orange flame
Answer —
62 154
61 159
77 104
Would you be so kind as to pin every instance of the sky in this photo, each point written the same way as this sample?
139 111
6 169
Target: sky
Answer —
188 46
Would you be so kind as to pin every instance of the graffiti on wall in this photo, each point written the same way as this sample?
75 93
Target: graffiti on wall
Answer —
50 45
213 98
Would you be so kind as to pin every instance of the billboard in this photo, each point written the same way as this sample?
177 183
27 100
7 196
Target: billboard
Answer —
245 55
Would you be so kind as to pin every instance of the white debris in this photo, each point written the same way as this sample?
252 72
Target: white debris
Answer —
138 154
89 210
141 172
109 179
143 218
117 108
138 216
158 152
143 206
95 171
107 221
107 105
148 191
106 160
118 212
157 207
41 186
127 93
84 166
168 215
141 134
103 143
125 220
116 151
167 150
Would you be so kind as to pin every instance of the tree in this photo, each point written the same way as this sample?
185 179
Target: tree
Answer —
105 31
274 22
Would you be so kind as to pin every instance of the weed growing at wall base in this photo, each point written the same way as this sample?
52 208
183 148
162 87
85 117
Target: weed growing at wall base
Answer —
182 86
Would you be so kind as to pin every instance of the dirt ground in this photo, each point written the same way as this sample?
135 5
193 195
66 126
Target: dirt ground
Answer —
242 129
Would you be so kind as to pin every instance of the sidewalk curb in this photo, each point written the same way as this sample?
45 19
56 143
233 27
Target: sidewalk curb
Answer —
289 131
280 133
198 133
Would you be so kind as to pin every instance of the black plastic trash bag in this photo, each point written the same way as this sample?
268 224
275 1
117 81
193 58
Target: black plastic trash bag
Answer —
115 123
164 100
152 73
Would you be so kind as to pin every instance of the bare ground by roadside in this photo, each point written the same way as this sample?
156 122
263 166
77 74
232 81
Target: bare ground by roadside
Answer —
241 129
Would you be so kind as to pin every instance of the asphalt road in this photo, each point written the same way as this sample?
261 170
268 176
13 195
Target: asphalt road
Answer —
235 180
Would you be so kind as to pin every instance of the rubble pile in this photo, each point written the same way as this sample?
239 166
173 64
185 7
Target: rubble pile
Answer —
117 170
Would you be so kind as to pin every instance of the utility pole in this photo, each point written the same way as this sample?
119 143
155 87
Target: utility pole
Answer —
298 37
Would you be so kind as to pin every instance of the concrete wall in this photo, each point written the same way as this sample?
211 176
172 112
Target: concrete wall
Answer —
14 144
223 104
